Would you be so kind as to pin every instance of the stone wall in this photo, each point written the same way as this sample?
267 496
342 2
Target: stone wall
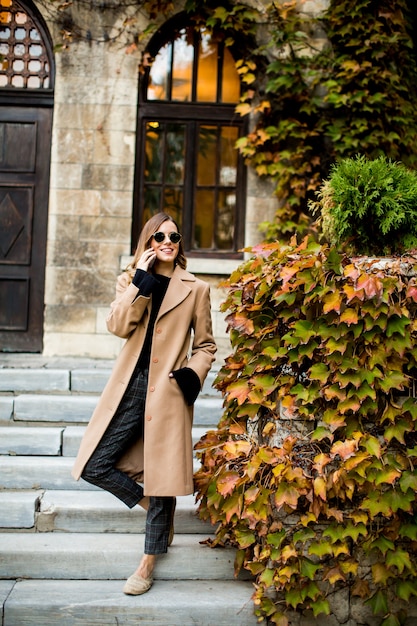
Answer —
91 188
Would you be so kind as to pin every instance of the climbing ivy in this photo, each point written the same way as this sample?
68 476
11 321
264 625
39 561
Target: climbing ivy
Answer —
337 85
312 471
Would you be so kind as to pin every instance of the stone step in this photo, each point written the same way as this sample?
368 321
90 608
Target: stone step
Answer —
92 556
18 509
78 379
18 440
26 379
93 381
42 472
101 603
78 409
38 472
87 511
48 441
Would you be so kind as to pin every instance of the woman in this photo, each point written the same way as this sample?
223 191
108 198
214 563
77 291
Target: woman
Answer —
140 431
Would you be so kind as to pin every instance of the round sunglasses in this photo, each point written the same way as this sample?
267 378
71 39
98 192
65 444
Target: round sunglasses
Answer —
160 237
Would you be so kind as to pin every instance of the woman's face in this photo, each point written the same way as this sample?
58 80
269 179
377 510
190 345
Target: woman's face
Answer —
166 250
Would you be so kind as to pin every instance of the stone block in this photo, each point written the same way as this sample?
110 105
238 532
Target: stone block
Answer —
260 210
82 345
6 408
88 380
108 229
208 411
109 255
70 319
72 287
101 316
114 147
27 379
98 90
73 145
17 509
71 439
105 177
30 441
101 557
75 202
51 408
75 254
101 603
66 175
95 116
46 472
60 227
117 203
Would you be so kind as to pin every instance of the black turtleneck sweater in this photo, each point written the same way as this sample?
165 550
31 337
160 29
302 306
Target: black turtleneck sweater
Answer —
157 285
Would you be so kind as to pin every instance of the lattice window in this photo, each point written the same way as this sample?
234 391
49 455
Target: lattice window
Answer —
24 59
187 163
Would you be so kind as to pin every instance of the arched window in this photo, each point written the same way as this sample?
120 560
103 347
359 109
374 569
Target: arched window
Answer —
24 58
186 162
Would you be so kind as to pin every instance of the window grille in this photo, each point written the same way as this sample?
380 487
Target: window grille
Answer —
24 61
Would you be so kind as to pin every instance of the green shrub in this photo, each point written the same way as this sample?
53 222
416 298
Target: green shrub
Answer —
370 206
312 471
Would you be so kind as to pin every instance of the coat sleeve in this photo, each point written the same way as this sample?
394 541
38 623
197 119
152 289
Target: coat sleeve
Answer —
127 309
203 348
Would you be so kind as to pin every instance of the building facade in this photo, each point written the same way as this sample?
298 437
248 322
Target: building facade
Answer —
96 137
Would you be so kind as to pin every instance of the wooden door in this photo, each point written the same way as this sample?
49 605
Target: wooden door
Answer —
25 144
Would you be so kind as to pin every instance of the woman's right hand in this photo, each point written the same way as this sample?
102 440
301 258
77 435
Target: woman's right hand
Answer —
146 260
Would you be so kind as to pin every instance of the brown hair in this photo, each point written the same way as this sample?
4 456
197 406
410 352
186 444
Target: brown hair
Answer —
149 229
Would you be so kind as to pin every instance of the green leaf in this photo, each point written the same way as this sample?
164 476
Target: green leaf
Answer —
303 535
378 603
400 559
320 549
245 538
308 568
319 371
321 605
276 539
393 380
293 597
320 433
409 531
382 544
286 495
397 325
391 620
408 481
372 446
406 589
397 431
267 577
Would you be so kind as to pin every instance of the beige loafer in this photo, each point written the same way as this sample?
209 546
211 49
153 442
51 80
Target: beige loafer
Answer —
136 585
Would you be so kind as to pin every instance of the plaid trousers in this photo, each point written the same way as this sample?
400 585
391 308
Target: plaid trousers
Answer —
126 427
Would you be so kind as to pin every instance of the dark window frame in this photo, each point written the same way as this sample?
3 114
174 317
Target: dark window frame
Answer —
192 114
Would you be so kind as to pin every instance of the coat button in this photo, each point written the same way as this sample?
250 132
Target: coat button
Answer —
152 388
149 417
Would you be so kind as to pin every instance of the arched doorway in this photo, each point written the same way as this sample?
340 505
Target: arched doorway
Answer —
26 106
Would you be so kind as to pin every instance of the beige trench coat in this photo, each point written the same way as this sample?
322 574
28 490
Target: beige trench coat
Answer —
167 450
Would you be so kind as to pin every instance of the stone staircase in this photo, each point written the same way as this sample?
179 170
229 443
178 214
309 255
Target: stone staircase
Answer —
66 547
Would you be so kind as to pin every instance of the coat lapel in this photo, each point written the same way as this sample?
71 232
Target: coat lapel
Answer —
177 291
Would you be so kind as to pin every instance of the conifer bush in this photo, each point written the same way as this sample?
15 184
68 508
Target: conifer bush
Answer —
371 205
